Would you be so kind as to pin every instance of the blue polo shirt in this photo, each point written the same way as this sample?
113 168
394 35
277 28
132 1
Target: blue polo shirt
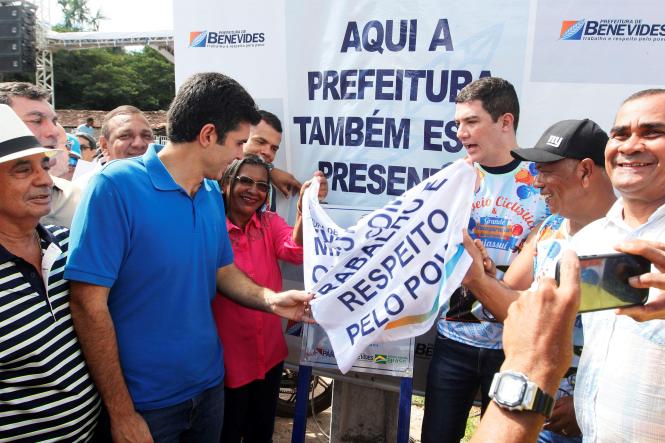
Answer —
139 233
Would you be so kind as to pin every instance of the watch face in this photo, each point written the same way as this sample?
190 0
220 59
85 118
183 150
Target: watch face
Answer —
510 391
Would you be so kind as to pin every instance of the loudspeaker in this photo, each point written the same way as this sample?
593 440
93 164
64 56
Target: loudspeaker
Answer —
17 37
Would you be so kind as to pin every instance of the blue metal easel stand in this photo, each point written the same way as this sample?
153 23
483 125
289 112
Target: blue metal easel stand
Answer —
404 417
302 398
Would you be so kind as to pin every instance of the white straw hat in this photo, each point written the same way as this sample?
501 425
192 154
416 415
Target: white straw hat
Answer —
16 139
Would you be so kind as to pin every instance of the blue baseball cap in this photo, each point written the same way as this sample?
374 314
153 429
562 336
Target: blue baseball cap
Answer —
73 145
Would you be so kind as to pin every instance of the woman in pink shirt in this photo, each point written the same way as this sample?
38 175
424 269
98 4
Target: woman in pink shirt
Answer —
253 341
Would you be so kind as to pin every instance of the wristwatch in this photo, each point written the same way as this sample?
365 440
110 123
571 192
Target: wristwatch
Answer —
514 391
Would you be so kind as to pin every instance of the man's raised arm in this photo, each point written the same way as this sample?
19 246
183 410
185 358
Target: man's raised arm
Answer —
537 340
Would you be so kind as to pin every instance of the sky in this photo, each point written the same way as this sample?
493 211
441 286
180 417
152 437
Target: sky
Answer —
124 15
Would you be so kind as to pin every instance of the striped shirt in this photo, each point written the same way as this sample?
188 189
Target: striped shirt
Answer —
46 393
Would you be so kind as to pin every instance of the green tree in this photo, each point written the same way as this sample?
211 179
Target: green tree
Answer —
77 17
106 78
102 79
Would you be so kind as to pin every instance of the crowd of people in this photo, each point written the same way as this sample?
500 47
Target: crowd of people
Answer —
141 300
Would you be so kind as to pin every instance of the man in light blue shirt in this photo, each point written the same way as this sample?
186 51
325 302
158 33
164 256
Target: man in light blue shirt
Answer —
620 395
88 127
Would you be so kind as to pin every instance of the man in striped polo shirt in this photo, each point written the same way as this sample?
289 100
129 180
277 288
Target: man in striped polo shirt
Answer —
45 390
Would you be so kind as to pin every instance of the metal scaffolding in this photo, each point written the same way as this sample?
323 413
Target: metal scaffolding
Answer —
44 71
86 40
48 41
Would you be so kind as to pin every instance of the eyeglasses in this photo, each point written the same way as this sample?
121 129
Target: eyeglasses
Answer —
249 182
85 146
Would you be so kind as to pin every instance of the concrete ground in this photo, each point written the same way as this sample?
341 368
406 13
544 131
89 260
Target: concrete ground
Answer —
284 426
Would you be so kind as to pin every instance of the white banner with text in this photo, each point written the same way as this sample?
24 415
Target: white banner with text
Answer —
385 278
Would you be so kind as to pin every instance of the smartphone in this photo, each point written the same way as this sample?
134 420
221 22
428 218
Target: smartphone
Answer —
604 281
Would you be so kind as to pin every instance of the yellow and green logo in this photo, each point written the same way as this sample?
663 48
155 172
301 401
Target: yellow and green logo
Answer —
380 359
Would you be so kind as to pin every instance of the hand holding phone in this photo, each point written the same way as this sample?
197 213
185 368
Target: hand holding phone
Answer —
654 251
604 281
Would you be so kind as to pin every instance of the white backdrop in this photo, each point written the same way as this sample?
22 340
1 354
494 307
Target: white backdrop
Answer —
567 59
285 52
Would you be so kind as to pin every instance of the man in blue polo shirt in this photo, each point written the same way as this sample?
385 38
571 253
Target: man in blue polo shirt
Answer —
148 250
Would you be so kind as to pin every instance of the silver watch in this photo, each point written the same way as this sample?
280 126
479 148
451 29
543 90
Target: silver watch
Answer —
514 391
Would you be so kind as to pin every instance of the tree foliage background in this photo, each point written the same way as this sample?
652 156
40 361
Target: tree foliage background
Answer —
103 79
78 17
106 78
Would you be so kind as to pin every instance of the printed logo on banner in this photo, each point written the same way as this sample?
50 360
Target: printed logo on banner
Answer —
384 359
380 359
612 29
572 29
561 43
197 39
325 352
226 39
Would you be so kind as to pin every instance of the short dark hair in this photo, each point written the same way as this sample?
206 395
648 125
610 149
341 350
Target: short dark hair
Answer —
643 93
233 169
209 97
120 110
21 89
497 96
272 120
90 120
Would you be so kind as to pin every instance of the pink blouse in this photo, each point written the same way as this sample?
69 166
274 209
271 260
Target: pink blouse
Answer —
253 341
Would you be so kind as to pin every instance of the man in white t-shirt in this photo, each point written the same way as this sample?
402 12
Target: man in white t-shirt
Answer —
506 207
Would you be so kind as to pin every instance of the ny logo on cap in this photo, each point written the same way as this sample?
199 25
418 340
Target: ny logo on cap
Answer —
554 141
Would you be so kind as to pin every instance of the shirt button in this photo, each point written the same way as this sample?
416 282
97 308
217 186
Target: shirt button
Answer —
32 274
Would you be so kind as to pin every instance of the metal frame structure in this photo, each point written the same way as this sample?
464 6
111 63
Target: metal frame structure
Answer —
49 41
44 71
86 40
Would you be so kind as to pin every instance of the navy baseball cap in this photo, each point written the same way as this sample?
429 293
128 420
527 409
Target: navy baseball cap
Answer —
578 139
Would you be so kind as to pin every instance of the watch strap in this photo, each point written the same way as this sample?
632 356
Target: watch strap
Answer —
543 403
534 400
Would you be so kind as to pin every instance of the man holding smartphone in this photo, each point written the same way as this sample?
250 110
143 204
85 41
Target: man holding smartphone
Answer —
621 394
569 158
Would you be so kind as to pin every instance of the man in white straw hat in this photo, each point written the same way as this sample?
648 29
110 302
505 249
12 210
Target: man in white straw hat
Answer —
31 104
47 393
